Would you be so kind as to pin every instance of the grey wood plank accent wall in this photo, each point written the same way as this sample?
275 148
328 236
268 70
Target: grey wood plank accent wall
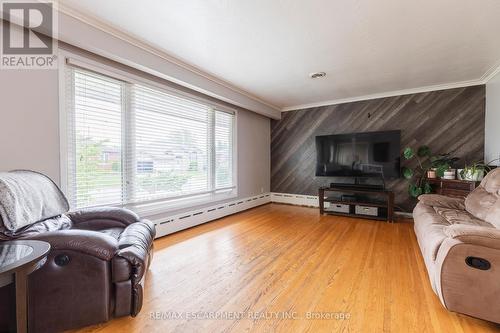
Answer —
447 121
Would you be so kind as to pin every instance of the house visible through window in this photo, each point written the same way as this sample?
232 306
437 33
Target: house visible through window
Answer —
130 143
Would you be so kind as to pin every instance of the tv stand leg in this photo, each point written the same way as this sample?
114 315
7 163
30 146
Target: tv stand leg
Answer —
390 207
321 197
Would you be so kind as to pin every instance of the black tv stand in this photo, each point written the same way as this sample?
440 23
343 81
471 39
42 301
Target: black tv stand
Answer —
356 202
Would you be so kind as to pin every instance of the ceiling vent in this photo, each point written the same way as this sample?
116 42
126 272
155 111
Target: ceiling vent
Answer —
317 75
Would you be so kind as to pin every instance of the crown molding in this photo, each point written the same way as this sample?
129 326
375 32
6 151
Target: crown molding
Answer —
487 76
137 42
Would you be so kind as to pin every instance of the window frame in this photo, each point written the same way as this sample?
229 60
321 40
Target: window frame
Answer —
153 207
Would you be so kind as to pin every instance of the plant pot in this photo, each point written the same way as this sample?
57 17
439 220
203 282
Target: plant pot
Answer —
475 177
431 174
449 174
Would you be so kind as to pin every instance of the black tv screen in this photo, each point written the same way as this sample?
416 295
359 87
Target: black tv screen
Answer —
369 154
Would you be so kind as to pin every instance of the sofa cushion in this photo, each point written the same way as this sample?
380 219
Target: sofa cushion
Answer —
479 202
436 200
491 182
113 232
27 197
456 216
483 202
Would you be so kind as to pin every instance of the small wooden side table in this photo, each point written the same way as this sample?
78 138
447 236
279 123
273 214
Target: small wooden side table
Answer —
18 259
452 187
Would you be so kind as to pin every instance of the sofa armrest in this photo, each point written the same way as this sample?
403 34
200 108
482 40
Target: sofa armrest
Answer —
476 235
122 216
463 288
436 200
87 242
135 246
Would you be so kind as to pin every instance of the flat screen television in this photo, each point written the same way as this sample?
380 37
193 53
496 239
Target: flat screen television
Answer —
369 154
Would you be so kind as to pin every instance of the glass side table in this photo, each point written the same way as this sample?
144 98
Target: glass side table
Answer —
18 259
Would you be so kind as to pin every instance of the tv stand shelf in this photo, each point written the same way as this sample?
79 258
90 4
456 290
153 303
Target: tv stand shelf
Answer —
384 208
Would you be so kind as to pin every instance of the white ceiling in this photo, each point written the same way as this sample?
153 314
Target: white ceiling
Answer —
268 48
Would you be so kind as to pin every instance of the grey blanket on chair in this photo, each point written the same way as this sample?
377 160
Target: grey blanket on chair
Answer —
27 197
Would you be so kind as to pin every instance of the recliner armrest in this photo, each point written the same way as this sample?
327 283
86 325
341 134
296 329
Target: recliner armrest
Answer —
476 235
135 244
436 200
121 215
87 242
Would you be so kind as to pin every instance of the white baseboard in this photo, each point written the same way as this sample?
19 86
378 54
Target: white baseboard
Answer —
195 217
295 199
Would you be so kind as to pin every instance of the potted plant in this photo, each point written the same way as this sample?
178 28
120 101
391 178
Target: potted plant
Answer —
425 162
475 171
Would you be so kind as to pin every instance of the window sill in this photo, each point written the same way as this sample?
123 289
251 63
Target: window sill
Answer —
162 207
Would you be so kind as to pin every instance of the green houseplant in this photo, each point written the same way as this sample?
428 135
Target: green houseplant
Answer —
475 171
417 176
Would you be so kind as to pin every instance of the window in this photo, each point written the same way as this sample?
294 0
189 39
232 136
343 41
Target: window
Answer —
130 143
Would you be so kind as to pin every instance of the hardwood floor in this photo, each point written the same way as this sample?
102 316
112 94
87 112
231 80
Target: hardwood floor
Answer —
278 263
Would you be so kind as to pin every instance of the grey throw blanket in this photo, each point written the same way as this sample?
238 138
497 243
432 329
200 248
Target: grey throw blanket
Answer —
27 197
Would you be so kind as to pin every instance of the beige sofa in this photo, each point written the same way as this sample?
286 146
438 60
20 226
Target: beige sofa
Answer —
460 242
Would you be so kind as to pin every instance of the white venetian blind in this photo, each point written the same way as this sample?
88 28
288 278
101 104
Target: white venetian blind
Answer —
172 145
95 143
223 150
131 143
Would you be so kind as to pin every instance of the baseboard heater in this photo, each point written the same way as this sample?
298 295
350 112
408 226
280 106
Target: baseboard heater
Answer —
171 224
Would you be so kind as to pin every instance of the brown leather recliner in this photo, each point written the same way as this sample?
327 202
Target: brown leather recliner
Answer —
97 263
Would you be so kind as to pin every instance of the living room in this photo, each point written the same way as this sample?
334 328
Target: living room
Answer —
210 166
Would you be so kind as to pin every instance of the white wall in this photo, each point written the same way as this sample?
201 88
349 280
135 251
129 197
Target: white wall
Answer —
492 130
29 121
254 154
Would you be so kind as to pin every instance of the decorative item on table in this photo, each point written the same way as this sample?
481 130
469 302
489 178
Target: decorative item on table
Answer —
425 162
471 174
449 174
475 171
431 174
